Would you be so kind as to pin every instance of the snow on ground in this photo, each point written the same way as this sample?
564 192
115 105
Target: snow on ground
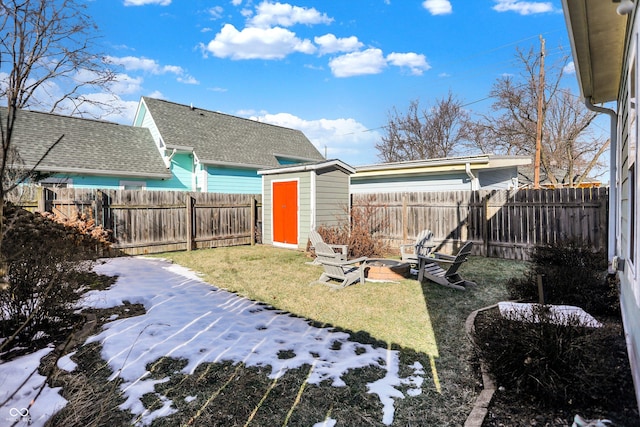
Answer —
20 383
190 319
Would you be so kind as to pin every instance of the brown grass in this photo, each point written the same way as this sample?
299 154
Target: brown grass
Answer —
424 322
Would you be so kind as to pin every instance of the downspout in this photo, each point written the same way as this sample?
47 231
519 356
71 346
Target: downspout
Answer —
614 262
474 180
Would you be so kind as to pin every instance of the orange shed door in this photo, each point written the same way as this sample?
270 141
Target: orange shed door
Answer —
285 212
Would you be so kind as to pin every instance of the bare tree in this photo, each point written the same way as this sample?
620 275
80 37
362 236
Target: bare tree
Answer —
570 151
424 133
48 62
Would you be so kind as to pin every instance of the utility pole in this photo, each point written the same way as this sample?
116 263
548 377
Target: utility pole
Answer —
536 163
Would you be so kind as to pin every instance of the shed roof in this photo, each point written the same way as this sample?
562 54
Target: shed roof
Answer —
597 35
311 166
222 139
447 164
91 147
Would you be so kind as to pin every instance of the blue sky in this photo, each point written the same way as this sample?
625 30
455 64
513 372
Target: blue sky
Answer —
333 69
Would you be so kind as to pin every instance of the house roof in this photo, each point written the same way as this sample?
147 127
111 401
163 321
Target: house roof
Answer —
88 147
597 35
222 139
448 164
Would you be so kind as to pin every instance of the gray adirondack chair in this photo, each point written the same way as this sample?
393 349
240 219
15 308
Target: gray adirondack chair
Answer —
423 246
428 267
338 272
315 238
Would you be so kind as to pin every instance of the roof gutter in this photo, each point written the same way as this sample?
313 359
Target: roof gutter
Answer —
614 262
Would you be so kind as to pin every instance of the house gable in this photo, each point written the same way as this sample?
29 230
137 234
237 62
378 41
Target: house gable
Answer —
221 139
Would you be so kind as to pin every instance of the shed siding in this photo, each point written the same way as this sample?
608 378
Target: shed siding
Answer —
304 205
236 181
332 197
434 182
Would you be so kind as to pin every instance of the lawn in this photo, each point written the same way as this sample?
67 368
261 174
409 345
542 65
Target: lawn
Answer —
424 321
170 350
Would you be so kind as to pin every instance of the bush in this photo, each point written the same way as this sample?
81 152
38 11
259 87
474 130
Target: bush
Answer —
556 364
360 234
572 274
48 267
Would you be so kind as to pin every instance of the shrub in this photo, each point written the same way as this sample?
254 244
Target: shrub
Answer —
555 364
573 274
48 267
361 233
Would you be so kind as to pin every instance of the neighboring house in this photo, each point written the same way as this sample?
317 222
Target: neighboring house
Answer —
218 153
90 154
605 41
483 172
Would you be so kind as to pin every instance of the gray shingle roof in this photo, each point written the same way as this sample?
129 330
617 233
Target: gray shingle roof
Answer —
221 138
90 147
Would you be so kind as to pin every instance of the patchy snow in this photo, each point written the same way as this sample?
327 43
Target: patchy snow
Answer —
189 319
20 384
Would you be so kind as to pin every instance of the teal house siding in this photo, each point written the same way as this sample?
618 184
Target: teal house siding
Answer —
230 180
108 182
182 171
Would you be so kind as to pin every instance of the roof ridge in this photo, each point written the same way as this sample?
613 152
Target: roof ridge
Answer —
86 119
221 113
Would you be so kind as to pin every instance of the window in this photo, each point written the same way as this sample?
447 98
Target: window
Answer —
56 183
133 185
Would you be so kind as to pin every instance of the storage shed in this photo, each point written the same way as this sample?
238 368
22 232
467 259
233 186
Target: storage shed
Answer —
299 198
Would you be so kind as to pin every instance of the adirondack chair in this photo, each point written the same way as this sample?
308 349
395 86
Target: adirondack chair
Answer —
315 238
428 267
337 269
423 246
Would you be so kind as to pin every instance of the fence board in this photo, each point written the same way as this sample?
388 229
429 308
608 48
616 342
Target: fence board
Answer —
155 221
506 224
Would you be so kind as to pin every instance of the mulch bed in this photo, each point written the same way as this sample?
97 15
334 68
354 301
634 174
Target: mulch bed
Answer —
509 408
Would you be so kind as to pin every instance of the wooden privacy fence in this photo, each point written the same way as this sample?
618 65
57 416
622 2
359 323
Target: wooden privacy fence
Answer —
505 224
155 221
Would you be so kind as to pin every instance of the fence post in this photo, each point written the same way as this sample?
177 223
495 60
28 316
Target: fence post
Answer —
485 223
190 202
405 218
40 199
253 220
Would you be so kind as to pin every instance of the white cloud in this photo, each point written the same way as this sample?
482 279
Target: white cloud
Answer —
188 80
370 61
285 15
329 43
133 63
236 2
215 12
438 7
343 138
257 43
416 63
123 84
522 7
145 2
570 68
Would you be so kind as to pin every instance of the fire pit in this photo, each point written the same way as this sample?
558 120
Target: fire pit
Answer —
387 269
